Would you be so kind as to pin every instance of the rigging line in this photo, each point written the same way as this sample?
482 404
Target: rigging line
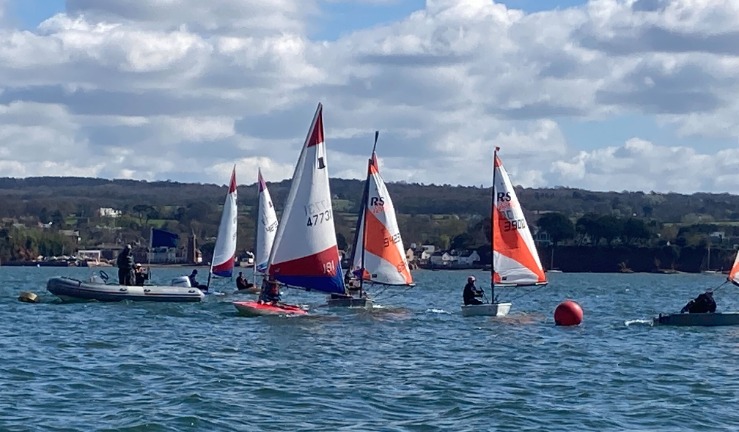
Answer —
378 295
528 292
720 286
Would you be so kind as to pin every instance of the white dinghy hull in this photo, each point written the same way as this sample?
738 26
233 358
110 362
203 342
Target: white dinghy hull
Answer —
487 309
698 319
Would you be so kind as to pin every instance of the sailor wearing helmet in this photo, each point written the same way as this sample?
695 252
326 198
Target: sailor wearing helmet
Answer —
471 292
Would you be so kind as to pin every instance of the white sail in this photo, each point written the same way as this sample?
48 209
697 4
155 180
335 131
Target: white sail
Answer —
224 252
266 227
305 252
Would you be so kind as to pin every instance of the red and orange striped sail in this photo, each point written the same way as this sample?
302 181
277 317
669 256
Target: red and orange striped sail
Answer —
378 247
734 272
515 259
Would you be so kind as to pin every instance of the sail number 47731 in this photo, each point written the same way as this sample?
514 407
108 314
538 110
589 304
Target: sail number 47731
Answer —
318 218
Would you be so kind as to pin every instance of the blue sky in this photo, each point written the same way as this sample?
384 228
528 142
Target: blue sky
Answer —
344 17
622 96
29 13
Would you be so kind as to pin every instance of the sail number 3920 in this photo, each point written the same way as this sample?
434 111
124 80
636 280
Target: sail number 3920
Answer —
515 224
318 218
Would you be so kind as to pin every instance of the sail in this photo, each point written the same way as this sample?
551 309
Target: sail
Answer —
515 259
224 252
266 226
734 272
378 242
305 253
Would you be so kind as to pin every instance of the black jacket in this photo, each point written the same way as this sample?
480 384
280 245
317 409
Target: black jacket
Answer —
470 292
125 260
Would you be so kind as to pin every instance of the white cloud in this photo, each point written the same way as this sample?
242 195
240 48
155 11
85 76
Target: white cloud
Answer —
642 165
182 90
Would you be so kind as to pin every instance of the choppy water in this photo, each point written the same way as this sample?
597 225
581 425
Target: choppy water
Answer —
415 365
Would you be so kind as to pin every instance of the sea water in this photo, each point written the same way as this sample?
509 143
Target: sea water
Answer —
414 364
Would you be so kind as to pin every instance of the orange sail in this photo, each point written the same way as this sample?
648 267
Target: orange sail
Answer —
379 255
515 259
734 273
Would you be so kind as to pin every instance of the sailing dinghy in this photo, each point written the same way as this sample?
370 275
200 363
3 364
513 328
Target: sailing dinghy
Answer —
709 319
224 252
378 255
305 254
265 234
515 261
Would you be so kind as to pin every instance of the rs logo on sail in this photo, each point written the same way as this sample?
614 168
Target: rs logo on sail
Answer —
503 196
377 205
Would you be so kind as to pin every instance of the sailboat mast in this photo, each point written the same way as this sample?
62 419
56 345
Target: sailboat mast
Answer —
364 213
493 215
256 227
708 259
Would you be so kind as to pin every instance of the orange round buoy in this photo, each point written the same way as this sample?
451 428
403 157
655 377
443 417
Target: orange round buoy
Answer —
568 313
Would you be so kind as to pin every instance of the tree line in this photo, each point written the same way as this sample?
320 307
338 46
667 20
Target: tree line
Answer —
444 215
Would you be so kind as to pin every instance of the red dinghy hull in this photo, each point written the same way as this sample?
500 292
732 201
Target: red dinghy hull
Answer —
252 308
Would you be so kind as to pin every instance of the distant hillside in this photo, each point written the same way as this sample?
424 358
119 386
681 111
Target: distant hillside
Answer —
52 216
72 194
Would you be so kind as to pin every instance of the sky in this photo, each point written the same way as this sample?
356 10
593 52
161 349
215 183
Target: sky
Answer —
608 95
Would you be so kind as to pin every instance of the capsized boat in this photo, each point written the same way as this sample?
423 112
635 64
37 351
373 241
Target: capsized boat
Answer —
305 254
95 288
252 308
708 319
515 260
378 256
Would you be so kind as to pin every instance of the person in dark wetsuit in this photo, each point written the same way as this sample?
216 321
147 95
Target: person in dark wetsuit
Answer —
125 266
704 303
471 292
242 284
194 282
270 292
141 274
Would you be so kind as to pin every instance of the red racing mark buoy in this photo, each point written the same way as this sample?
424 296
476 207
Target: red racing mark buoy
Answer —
568 313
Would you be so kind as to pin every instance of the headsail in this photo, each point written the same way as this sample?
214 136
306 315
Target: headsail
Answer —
734 272
224 252
266 227
515 259
305 253
378 247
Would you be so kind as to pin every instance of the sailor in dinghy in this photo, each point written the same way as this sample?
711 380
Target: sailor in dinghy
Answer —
514 258
702 310
378 256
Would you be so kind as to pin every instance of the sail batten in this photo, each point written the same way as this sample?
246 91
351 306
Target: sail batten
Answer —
515 258
224 252
379 254
305 252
